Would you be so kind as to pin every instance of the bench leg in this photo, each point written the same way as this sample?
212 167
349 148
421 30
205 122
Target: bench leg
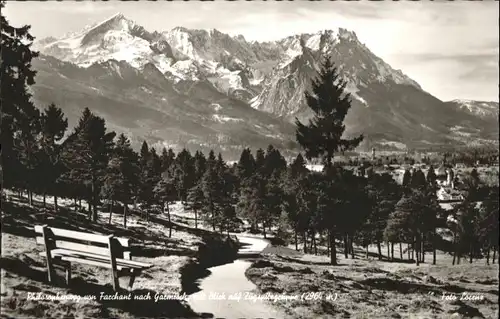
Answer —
112 260
132 279
68 274
48 255
115 281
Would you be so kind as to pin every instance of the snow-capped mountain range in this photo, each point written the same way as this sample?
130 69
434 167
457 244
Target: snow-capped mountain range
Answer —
480 108
238 91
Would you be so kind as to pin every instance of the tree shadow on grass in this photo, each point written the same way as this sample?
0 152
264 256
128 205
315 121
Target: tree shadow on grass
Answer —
191 274
20 221
81 287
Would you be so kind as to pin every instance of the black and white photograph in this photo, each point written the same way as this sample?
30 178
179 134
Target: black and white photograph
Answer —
249 159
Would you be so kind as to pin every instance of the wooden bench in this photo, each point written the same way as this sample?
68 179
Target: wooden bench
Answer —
62 247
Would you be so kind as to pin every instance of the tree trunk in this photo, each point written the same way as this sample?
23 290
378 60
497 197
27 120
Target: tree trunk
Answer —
76 205
494 255
89 213
333 256
400 251
366 251
417 251
388 251
56 208
488 255
471 253
124 215
379 248
195 218
79 203
30 198
212 212
264 229
170 223
346 247
408 251
351 247
296 240
304 239
434 236
392 251
423 249
110 212
314 244
455 247
44 200
94 213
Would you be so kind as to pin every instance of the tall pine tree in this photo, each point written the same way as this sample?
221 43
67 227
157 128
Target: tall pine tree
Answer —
329 102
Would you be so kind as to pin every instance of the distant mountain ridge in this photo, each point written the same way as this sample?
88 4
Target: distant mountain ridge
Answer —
227 91
485 109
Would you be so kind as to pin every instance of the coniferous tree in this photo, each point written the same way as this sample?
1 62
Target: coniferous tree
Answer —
274 163
298 166
165 193
251 202
16 108
418 179
200 166
144 155
86 155
196 201
260 160
468 219
307 203
183 172
290 204
211 191
27 147
431 177
383 193
406 178
167 157
290 185
413 218
145 190
329 101
488 229
53 127
246 165
151 175
111 184
123 174
211 159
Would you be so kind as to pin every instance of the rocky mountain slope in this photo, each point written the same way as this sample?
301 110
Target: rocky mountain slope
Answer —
205 88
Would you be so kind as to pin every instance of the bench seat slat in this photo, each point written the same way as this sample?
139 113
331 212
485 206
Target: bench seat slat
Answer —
77 246
124 263
71 234
98 263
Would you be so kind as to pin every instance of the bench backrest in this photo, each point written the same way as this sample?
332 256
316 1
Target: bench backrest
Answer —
83 242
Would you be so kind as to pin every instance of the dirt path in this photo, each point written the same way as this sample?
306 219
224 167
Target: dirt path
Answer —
230 279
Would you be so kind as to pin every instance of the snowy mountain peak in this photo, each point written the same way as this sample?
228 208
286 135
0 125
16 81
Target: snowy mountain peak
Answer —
485 109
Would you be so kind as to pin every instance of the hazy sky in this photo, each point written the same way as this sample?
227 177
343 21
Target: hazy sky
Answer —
450 48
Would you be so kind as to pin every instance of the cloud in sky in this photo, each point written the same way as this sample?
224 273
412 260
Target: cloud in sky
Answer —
450 48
